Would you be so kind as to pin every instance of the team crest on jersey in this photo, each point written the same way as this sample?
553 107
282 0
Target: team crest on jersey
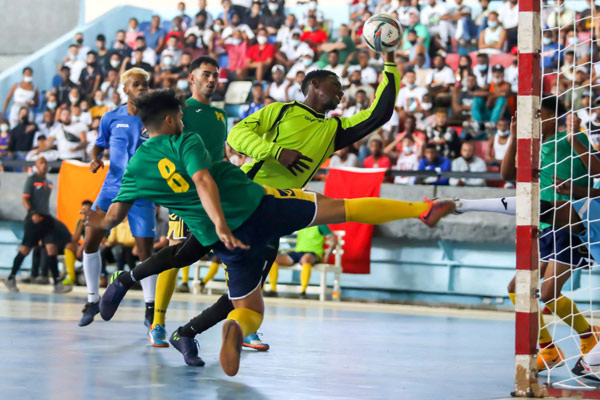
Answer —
144 135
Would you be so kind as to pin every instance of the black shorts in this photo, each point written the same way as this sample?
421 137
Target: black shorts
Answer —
297 256
279 213
562 246
49 231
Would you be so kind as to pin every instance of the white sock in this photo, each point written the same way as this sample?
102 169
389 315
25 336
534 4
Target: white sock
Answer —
149 288
593 357
502 205
92 265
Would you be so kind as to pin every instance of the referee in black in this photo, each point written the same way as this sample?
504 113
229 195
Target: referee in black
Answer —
40 225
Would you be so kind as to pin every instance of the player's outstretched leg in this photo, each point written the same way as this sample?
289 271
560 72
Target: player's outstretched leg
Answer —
502 205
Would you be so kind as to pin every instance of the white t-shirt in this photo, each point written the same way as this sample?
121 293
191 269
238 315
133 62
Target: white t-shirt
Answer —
476 165
293 53
511 75
351 161
149 56
76 67
483 78
443 77
430 16
508 16
204 35
410 99
299 66
295 92
406 162
67 138
368 75
278 92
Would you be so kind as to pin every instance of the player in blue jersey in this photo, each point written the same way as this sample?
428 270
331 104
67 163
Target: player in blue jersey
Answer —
122 132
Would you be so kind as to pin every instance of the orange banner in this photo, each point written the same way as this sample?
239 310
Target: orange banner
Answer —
76 183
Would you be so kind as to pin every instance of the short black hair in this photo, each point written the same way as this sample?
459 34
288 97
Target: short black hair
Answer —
360 91
316 75
430 146
87 203
197 62
143 39
553 104
92 52
154 105
28 69
101 38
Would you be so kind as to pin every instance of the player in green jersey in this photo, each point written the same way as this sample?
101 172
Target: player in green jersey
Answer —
210 122
229 213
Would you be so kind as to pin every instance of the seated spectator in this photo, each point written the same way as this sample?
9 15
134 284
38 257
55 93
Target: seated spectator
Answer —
257 100
90 77
41 149
80 113
100 108
21 136
511 73
585 114
155 35
260 56
91 136
110 84
481 18
191 46
491 108
368 75
498 144
70 139
344 158
45 125
377 159
185 19
573 96
294 90
4 138
236 47
433 162
468 162
314 35
420 29
75 64
278 88
236 24
407 160
284 34
176 31
291 51
138 61
356 84
120 47
551 54
120 241
148 53
227 13
361 102
133 33
435 16
172 51
508 15
466 30
441 78
561 16
115 101
462 104
102 54
395 147
273 17
464 70
483 71
74 97
51 104
410 96
492 39
333 58
415 48
444 138
312 10
201 30
343 45
304 63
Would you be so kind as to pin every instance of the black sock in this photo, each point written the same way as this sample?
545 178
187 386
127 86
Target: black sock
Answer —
126 279
149 312
36 260
52 262
16 265
208 318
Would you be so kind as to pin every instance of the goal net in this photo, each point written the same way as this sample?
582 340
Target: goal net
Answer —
558 206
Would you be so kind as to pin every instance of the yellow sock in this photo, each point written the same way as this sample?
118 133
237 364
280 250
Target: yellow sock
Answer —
165 286
544 335
373 210
274 276
212 271
305 276
566 309
248 319
70 264
185 274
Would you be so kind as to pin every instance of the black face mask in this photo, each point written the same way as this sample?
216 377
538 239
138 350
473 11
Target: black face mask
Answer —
515 62
235 23
412 42
355 82
122 41
191 44
79 41
468 159
201 25
25 119
141 48
91 64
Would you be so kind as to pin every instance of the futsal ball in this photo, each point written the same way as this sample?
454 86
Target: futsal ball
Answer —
382 33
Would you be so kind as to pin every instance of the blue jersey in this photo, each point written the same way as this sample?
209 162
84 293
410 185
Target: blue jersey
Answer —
122 134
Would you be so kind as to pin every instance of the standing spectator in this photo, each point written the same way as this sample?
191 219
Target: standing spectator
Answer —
468 162
91 77
133 32
444 138
408 160
274 18
155 35
377 159
508 15
236 47
410 96
64 88
260 56
278 88
292 49
102 54
367 73
40 225
344 158
186 21
148 53
257 100
75 64
314 36
440 78
21 136
498 144
69 138
433 162
22 94
492 39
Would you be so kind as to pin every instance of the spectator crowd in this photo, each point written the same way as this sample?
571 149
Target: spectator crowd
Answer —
458 62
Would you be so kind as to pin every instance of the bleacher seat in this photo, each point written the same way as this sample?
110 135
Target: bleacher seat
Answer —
452 60
237 92
504 59
481 148
549 82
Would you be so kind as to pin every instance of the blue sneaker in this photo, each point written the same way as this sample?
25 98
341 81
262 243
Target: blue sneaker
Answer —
158 336
115 291
188 347
89 311
253 341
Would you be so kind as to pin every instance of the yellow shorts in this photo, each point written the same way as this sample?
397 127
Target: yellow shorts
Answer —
178 230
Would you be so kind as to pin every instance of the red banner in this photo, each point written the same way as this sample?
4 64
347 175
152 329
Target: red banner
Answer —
350 183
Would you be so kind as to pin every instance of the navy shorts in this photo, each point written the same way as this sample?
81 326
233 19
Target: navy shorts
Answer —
280 213
564 247
297 256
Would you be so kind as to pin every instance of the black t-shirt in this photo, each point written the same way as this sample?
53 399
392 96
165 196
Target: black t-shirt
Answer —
20 139
145 66
450 149
274 21
38 190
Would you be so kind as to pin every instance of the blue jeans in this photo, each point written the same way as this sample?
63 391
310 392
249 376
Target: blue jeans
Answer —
481 113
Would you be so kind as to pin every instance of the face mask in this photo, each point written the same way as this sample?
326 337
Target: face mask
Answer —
172 48
440 67
79 41
273 7
492 24
91 64
236 42
25 119
468 159
115 63
4 128
355 82
217 28
412 42
73 99
235 23
497 80
74 118
27 79
482 67
168 61
547 40
261 39
51 105
502 133
559 9
572 40
201 25
411 85
182 84
175 29
426 106
307 61
395 4
408 149
99 102
71 56
515 62
295 42
191 44
122 41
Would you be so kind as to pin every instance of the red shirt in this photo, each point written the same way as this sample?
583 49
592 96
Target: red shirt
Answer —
383 162
319 36
256 54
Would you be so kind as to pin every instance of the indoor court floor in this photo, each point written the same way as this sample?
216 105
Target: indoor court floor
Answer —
318 351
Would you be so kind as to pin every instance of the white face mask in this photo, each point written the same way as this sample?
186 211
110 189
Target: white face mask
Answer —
235 42
28 79
115 63
426 106
502 133
307 61
497 80
312 5
217 28
4 128
492 24
273 7
547 40
73 99
182 84
74 118
295 42
572 40
51 106
408 149
99 102
168 61
261 39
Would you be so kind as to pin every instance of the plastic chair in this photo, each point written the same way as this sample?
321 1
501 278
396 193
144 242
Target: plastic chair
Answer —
452 60
504 59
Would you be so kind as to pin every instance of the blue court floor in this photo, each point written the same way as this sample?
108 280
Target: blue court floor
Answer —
333 351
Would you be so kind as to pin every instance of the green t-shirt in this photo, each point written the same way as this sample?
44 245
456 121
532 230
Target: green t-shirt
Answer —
161 171
343 53
310 240
210 123
559 160
422 32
